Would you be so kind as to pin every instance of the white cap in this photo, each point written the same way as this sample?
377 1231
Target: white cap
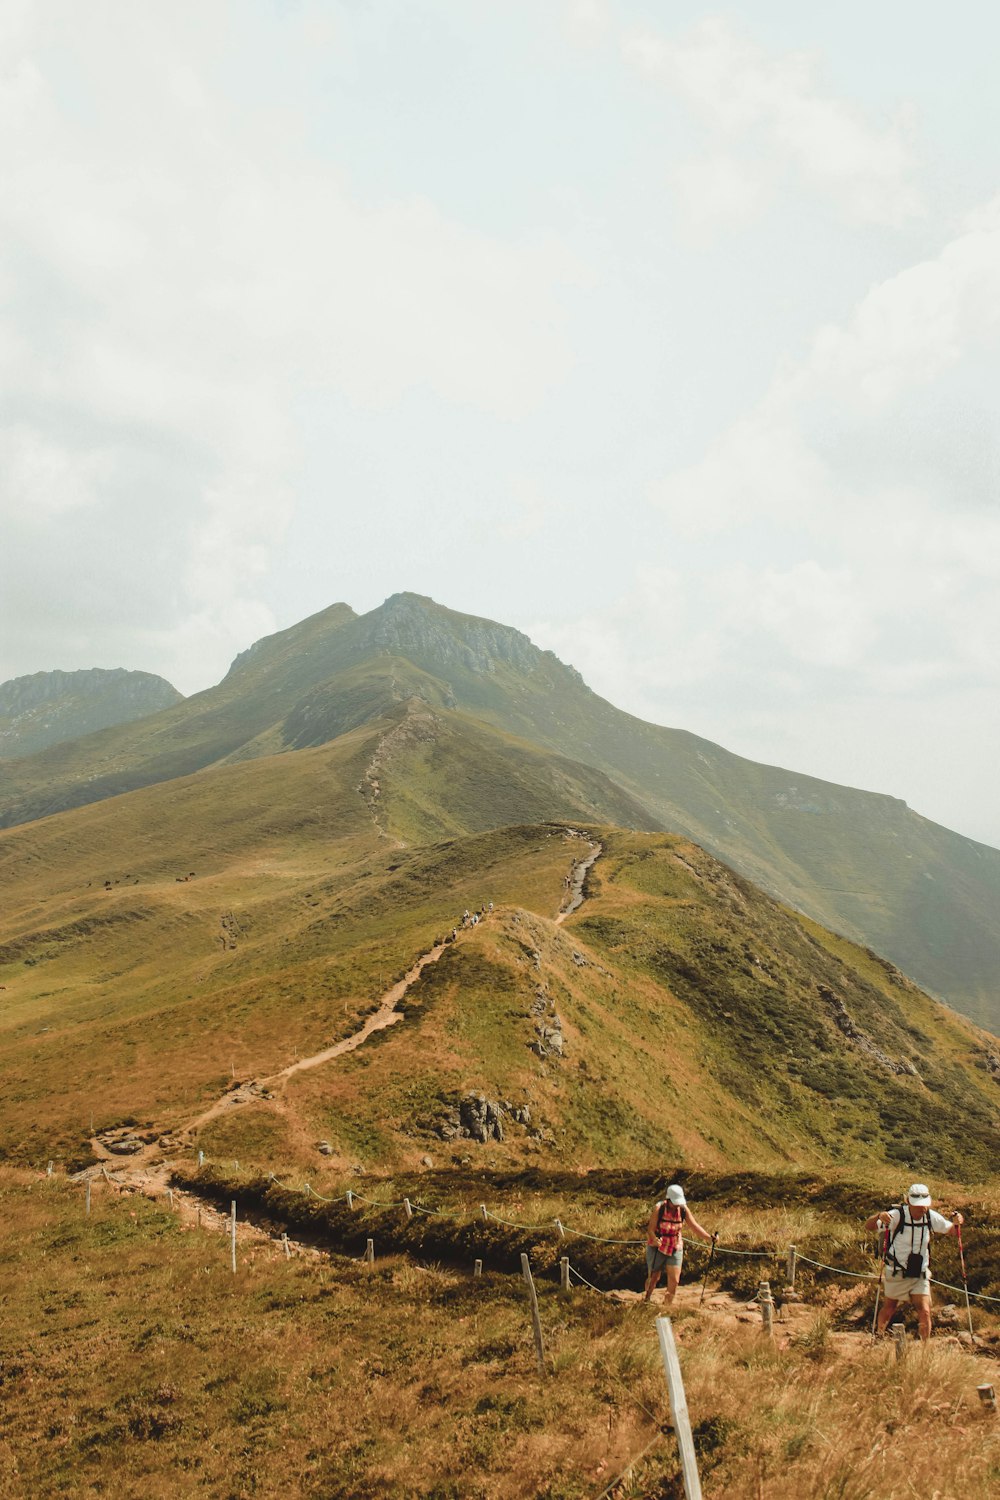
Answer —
675 1195
919 1195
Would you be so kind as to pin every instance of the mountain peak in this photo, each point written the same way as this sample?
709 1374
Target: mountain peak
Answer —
444 638
49 708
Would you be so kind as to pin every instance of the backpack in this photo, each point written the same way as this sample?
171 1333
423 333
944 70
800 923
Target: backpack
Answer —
668 1227
917 1262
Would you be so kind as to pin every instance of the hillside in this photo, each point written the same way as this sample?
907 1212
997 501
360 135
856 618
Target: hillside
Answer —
156 945
862 864
49 708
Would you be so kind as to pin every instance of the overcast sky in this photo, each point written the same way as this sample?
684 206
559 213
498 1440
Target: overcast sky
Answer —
666 332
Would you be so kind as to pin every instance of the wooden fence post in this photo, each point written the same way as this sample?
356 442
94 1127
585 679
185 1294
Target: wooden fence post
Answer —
791 1268
409 1210
679 1409
482 1207
350 1198
48 1170
564 1273
201 1158
562 1232
536 1321
899 1334
370 1253
287 1247
170 1197
477 1269
766 1308
232 1233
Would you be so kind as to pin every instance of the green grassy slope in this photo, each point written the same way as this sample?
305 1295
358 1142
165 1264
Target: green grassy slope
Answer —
701 1023
152 942
261 687
860 863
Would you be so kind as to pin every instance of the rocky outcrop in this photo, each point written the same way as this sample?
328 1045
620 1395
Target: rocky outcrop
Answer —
477 1118
49 708
844 1023
991 1062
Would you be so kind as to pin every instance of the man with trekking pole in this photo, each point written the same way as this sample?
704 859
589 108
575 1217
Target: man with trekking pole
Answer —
906 1251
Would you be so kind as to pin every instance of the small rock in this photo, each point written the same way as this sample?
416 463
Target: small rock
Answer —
324 1148
128 1147
427 1161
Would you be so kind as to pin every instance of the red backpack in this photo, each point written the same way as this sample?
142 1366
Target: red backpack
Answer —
668 1227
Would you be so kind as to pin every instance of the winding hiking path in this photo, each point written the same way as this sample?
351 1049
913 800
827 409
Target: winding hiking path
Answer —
385 1015
578 879
147 1170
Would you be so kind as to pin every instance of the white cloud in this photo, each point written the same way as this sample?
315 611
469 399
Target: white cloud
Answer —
770 112
588 22
826 553
177 269
718 191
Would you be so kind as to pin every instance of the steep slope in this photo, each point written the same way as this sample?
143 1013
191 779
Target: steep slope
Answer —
262 685
256 913
863 864
49 708
682 1015
213 920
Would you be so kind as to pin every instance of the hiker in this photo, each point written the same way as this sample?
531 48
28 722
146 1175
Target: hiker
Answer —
665 1241
906 1253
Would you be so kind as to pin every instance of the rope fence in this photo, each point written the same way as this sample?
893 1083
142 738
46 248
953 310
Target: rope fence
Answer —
567 1231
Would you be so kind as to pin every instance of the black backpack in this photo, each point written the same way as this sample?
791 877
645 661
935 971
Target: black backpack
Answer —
916 1259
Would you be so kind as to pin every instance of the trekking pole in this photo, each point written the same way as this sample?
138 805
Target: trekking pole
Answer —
711 1257
965 1281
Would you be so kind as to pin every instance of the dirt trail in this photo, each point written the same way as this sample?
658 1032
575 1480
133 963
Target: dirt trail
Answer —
577 879
148 1170
385 1015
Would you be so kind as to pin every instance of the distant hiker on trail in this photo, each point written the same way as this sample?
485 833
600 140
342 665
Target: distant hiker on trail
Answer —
665 1241
906 1253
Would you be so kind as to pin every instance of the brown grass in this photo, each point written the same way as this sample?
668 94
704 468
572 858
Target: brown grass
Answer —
133 1363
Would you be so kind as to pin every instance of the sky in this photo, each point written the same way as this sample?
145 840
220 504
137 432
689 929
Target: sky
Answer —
668 333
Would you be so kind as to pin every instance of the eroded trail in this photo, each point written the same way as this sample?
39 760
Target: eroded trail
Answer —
578 878
385 1015
147 1170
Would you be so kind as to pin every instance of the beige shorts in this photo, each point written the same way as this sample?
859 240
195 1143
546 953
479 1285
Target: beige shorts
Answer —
898 1289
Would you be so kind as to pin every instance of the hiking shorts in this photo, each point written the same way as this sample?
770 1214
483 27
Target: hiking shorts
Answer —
900 1288
656 1260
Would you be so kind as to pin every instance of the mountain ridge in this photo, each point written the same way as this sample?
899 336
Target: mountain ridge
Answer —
52 708
861 863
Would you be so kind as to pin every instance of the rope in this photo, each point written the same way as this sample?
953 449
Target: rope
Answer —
948 1287
510 1224
754 1254
629 1467
837 1271
598 1239
312 1191
574 1272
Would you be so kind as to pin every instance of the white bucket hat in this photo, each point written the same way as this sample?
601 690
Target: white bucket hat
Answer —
919 1195
675 1195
